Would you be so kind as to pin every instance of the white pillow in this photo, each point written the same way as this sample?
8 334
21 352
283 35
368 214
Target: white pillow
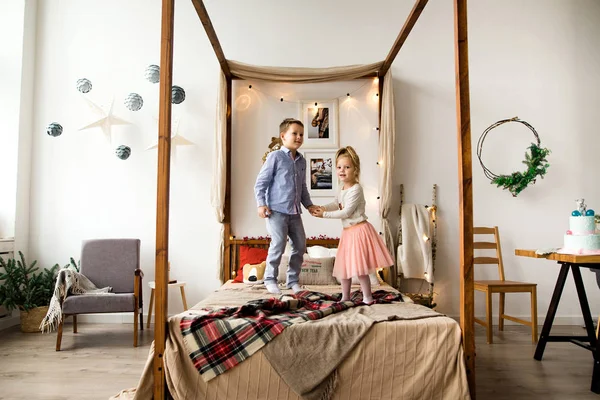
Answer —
319 252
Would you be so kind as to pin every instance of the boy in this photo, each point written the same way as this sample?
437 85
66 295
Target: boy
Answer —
280 189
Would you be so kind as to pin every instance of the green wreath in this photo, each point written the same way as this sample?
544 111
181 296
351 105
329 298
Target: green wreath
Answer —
535 160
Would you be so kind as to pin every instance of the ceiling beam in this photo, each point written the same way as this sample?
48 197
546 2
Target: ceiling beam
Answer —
408 25
212 36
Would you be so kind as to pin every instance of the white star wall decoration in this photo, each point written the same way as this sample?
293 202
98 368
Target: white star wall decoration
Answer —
105 119
176 138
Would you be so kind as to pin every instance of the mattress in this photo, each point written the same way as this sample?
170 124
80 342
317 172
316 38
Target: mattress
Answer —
407 358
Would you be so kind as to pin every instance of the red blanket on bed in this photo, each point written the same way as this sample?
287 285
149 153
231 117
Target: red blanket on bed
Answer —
225 337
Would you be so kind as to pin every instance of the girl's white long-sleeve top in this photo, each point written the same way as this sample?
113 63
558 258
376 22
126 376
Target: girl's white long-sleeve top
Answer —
352 202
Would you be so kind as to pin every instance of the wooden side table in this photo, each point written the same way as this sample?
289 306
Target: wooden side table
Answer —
573 263
152 285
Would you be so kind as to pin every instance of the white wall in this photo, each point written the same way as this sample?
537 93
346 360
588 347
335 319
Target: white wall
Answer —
25 128
11 58
535 59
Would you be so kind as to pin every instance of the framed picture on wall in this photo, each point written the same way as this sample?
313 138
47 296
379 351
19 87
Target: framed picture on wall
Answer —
320 119
321 180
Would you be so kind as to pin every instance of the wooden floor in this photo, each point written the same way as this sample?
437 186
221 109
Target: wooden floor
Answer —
100 361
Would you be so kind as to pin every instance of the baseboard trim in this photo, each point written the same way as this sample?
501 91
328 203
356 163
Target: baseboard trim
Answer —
110 318
558 320
8 321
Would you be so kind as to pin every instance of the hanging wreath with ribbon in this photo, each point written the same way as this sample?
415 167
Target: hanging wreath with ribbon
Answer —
535 160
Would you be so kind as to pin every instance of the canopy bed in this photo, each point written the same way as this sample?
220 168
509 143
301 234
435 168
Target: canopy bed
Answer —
221 194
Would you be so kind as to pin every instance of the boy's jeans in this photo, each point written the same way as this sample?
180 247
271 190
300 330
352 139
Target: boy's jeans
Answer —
280 226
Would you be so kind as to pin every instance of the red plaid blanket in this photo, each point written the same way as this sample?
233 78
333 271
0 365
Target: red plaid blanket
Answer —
225 337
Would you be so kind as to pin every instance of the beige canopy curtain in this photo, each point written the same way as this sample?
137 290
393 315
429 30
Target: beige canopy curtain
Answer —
387 145
219 184
301 75
306 75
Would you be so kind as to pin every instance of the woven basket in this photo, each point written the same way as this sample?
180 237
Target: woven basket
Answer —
31 320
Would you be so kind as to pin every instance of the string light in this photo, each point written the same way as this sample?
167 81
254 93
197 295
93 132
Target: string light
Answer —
376 80
278 96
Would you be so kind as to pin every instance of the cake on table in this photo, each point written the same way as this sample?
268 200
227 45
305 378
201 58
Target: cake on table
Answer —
582 236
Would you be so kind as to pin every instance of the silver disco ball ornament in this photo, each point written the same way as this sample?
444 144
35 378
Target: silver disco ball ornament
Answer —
84 85
123 152
134 102
177 95
152 73
54 129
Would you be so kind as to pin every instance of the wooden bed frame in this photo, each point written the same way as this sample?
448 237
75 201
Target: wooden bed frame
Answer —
234 249
164 162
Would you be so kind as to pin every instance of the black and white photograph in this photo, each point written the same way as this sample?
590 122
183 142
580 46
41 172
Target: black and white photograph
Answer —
320 123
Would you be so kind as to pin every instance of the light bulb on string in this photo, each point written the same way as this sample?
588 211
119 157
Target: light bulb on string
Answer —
349 95
376 80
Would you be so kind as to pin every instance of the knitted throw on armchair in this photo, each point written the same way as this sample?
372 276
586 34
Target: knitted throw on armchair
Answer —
67 282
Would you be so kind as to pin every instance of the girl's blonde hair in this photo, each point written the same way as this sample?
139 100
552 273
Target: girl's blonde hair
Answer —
349 152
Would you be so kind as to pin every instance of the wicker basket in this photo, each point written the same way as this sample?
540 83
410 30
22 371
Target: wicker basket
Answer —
31 320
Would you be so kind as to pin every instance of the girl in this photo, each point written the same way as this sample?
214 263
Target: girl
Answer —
361 251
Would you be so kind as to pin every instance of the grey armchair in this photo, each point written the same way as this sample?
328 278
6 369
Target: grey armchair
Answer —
108 262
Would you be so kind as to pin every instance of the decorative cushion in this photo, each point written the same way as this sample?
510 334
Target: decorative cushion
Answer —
318 252
249 255
254 274
314 271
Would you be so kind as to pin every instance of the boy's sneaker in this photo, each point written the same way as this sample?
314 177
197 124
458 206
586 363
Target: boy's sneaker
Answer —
296 288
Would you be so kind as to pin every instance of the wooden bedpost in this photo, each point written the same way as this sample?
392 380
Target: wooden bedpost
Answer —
162 198
227 210
465 185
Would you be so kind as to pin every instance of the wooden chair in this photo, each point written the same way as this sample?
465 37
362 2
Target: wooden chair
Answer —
501 286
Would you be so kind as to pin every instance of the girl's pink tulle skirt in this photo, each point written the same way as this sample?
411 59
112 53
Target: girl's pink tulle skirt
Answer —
360 252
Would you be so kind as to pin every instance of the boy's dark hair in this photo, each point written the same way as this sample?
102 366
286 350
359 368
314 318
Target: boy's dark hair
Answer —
284 126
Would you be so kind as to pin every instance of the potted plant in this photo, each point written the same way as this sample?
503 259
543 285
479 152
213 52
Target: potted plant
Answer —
23 288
